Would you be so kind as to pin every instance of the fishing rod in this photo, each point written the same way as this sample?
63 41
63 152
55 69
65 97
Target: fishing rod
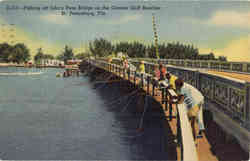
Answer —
140 128
122 98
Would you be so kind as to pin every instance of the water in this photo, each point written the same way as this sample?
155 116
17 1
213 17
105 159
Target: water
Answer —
44 117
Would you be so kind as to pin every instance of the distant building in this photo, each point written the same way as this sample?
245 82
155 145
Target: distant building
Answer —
51 62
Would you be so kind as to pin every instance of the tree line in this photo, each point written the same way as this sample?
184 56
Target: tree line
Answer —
103 48
40 56
67 54
18 53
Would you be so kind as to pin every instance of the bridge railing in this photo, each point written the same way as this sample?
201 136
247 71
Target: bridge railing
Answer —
222 95
188 148
208 64
230 95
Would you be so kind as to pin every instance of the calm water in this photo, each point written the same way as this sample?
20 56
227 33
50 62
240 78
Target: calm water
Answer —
44 117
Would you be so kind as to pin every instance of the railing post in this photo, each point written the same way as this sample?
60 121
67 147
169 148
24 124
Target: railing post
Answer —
148 85
135 79
153 88
166 97
128 74
247 104
142 82
209 65
162 96
124 73
197 77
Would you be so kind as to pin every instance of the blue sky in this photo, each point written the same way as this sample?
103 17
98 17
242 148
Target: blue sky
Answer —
222 27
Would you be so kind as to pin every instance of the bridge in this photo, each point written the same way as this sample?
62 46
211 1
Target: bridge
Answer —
227 98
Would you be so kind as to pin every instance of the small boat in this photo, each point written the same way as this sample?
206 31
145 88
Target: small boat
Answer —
58 75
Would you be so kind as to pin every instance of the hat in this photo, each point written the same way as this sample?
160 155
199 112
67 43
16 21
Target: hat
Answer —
179 82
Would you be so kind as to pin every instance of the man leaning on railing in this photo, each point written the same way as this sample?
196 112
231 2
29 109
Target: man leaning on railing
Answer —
194 101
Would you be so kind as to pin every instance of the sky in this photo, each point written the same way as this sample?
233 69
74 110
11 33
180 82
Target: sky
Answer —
221 27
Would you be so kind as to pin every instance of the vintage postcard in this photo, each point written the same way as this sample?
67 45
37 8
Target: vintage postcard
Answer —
124 80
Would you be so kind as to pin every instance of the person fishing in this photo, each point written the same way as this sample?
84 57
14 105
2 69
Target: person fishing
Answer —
194 101
125 64
156 78
163 71
170 81
141 68
109 60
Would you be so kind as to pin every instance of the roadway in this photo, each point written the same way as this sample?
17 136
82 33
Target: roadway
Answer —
241 76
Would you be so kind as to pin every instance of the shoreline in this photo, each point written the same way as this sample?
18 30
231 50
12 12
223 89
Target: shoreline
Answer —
7 65
29 66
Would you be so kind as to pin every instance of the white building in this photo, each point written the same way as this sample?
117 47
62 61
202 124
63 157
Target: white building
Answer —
51 62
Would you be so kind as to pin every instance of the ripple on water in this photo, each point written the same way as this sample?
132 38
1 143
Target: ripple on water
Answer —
44 117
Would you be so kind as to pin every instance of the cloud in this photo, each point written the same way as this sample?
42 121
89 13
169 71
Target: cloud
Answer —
56 19
224 18
236 50
122 20
232 18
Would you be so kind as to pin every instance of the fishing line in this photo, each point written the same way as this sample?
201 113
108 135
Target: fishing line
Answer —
129 101
145 108
104 83
122 98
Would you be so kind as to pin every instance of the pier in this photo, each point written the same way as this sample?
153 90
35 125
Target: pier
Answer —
226 111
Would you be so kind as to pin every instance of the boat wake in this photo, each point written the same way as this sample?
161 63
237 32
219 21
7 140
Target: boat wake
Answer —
20 74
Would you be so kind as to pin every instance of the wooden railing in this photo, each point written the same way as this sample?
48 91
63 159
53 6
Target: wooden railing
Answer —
188 148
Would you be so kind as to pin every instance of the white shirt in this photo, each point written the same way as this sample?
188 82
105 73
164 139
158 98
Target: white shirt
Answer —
192 96
131 66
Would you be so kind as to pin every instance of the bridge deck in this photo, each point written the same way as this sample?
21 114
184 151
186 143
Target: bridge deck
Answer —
245 77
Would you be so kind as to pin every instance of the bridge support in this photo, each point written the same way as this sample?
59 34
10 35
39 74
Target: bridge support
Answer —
229 126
